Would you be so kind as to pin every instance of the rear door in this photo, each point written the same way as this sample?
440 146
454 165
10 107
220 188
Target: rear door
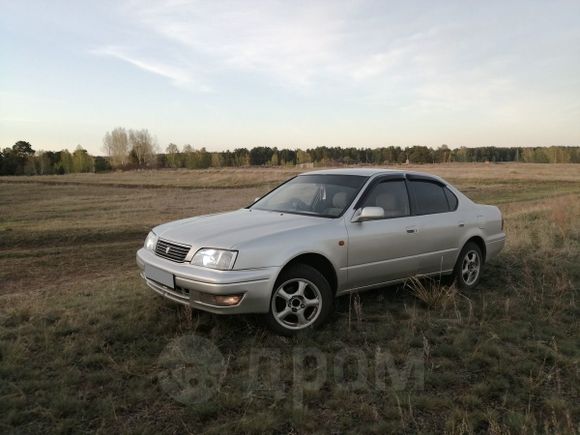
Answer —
439 226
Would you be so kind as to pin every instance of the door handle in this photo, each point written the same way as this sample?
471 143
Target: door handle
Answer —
461 224
411 230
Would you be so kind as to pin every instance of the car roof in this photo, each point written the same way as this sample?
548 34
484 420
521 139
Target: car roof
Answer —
368 172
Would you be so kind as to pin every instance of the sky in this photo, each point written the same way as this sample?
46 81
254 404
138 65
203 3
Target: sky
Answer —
226 74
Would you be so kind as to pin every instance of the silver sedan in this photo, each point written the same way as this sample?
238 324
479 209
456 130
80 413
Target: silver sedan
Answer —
317 236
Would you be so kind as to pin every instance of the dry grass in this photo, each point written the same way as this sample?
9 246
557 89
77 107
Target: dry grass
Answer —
478 173
432 292
168 178
79 231
80 335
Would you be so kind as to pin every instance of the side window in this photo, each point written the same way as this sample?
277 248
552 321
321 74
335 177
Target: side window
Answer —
451 199
391 196
428 197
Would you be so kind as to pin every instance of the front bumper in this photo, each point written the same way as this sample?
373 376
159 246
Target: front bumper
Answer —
195 286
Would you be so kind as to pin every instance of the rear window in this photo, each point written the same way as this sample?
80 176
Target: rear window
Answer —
451 199
428 197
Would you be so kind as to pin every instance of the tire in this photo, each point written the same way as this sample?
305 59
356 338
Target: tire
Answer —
301 299
446 280
467 271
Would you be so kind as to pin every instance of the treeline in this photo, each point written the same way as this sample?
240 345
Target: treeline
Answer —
328 156
21 159
135 149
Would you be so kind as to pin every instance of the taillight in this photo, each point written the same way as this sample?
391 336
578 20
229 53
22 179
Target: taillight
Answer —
502 223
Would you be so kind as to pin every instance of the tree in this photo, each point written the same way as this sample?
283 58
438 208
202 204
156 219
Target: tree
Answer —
43 163
10 164
172 152
260 155
102 164
23 149
274 160
116 146
217 160
462 154
66 164
442 154
420 154
143 147
204 158
189 158
82 161
302 157
287 157
241 157
18 160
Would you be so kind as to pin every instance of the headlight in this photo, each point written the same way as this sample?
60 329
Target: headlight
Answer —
150 241
215 258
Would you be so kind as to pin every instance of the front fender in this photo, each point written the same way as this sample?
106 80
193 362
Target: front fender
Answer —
279 249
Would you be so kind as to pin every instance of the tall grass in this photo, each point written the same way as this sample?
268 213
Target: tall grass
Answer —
432 292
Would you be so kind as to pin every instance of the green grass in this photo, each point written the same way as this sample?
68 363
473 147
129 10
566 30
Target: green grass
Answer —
80 335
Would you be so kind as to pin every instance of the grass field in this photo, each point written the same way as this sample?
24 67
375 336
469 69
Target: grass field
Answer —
80 334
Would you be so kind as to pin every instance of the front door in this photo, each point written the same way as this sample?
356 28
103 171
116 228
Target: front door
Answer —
385 249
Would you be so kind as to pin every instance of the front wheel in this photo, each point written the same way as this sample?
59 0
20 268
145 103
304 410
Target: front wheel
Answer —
468 268
302 298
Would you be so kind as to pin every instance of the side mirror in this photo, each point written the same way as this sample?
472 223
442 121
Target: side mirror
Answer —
368 214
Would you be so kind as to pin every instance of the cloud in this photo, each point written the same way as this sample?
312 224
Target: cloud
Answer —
306 46
276 40
179 76
407 56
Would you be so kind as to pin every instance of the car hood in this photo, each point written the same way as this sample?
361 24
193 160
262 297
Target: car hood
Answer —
229 230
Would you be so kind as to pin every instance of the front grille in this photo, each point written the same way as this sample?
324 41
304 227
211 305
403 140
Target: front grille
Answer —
171 251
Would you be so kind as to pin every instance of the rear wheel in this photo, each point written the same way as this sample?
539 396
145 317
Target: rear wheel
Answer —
467 270
302 298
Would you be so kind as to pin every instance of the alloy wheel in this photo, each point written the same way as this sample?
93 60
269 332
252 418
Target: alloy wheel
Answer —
470 267
296 304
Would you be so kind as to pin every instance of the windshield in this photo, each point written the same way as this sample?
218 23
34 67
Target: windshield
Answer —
317 195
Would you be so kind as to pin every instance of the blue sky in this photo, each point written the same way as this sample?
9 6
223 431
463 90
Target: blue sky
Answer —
223 74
